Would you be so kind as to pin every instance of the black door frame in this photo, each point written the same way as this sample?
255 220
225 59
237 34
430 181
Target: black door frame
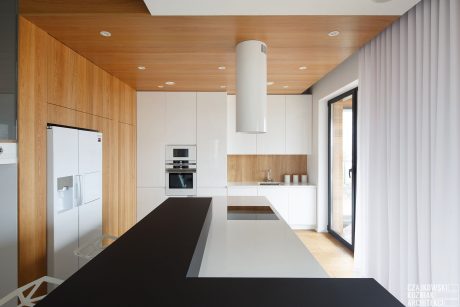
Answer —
354 93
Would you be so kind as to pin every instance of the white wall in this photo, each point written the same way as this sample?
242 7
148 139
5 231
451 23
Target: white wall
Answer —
343 78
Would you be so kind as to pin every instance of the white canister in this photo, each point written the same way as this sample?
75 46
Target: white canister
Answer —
287 179
295 179
304 179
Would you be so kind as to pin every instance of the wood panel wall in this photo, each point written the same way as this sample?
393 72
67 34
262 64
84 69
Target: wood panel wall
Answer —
253 168
58 86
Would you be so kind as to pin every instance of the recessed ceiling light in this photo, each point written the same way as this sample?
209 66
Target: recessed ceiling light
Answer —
221 68
333 33
141 67
302 67
223 86
270 83
285 86
160 86
105 33
170 82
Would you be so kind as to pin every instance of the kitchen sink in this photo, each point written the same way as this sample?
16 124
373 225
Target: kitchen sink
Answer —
269 183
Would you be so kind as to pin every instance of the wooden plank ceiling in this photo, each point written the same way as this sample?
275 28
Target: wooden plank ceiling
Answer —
189 50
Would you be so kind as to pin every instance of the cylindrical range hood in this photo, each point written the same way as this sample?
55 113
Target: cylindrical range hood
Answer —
251 87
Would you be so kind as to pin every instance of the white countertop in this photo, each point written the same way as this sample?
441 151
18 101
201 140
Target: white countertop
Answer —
254 248
256 184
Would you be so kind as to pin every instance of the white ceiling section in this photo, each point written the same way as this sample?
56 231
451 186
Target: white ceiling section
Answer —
278 7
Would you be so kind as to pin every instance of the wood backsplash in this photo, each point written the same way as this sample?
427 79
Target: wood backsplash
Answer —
250 168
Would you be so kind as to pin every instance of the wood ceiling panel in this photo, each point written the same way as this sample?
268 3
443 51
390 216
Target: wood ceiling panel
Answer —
188 50
82 6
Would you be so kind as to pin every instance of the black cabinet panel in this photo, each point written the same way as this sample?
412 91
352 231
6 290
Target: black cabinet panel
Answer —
8 69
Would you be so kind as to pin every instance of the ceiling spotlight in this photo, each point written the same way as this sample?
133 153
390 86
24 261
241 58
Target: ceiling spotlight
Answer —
141 67
160 86
333 33
302 67
285 86
105 33
221 68
270 83
223 86
170 82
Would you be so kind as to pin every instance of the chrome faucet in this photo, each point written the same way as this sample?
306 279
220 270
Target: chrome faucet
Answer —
269 176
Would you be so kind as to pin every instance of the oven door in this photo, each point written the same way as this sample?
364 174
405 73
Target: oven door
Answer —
180 183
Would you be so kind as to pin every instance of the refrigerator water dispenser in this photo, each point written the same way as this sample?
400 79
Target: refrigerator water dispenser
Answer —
65 193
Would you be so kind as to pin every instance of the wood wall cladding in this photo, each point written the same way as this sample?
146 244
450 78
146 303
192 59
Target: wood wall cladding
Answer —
32 114
253 168
58 86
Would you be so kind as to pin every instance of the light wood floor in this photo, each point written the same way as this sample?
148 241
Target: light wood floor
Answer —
336 260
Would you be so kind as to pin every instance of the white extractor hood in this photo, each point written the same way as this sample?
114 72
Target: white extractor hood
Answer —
251 87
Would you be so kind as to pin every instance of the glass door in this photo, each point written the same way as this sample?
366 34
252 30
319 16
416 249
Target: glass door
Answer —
342 166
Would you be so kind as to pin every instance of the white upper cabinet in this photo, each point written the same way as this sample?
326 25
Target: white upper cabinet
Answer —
181 118
212 139
151 139
273 141
238 143
298 124
289 128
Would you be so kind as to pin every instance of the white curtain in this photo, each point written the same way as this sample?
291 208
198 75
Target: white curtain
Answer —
408 172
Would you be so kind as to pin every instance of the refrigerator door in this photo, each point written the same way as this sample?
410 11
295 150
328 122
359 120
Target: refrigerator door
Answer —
65 242
90 152
89 224
62 213
91 187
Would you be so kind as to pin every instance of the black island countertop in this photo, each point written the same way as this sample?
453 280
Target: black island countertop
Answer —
156 263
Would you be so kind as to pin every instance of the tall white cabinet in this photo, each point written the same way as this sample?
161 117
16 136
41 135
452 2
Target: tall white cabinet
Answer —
180 118
289 128
211 133
151 138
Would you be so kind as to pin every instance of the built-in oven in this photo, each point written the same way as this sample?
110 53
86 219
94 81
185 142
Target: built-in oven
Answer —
180 170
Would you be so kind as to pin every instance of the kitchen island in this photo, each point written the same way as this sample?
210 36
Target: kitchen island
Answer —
246 247
156 263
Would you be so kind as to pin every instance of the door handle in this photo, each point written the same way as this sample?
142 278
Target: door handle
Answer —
350 172
78 192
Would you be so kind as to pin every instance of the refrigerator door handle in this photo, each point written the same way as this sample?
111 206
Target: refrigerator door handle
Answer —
78 192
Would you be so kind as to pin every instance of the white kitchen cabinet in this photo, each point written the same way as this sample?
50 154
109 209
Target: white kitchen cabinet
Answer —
238 143
302 207
148 199
151 139
242 191
181 118
273 142
211 139
211 192
279 198
298 124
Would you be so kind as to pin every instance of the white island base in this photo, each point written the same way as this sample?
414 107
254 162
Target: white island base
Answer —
254 248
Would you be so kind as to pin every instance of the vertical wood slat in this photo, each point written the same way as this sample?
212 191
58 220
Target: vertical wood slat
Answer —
32 113
127 163
56 85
